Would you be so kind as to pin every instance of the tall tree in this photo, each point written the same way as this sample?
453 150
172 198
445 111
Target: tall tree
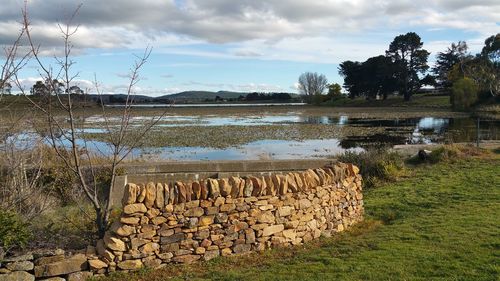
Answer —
351 71
374 77
491 49
379 76
312 83
455 54
410 59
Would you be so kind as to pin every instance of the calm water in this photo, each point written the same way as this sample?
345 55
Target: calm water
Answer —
425 130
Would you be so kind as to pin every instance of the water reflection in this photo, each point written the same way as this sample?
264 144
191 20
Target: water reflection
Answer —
396 131
263 149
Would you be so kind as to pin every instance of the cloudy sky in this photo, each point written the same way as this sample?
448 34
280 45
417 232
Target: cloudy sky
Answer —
239 45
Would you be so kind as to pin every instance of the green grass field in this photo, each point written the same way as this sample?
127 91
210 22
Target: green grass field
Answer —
442 223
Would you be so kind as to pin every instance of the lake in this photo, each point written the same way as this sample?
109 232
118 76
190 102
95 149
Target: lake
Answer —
291 133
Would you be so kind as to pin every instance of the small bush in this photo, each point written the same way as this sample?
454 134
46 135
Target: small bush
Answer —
376 165
14 231
68 227
464 94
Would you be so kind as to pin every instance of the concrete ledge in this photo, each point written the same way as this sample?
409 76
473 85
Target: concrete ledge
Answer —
225 166
198 170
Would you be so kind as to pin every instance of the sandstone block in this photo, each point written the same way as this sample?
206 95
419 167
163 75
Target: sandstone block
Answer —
152 263
283 187
270 190
285 211
273 229
206 220
304 204
149 201
134 208
70 265
97 264
160 196
173 238
20 266
186 258
181 192
225 187
142 193
249 236
204 190
17 276
266 217
200 250
219 201
248 189
235 182
189 191
226 252
80 276
149 248
211 210
213 188
130 264
194 212
241 248
114 243
159 220
196 188
211 254
122 229
165 256
192 204
227 207
289 234
51 259
130 194
130 220
257 186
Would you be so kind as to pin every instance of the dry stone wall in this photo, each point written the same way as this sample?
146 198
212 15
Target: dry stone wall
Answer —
184 222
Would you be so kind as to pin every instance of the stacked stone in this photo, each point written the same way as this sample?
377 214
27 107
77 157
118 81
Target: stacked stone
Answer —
51 265
183 222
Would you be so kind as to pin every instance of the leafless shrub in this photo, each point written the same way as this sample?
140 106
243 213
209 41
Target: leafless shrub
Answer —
65 124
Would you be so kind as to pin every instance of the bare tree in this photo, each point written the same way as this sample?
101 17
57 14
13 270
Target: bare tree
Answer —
312 83
66 124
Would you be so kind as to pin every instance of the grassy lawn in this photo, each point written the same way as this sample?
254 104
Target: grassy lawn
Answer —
442 223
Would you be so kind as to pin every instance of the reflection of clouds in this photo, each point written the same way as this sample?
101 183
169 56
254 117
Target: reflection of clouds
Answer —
263 149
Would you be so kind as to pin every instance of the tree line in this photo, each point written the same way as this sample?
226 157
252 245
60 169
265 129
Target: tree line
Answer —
404 69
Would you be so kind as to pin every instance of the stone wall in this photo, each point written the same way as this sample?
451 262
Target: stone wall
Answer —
183 222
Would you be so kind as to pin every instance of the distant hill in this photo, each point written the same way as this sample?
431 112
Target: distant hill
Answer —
194 96
202 95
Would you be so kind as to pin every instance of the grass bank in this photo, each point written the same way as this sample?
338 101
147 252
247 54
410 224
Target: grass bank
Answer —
418 100
439 224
